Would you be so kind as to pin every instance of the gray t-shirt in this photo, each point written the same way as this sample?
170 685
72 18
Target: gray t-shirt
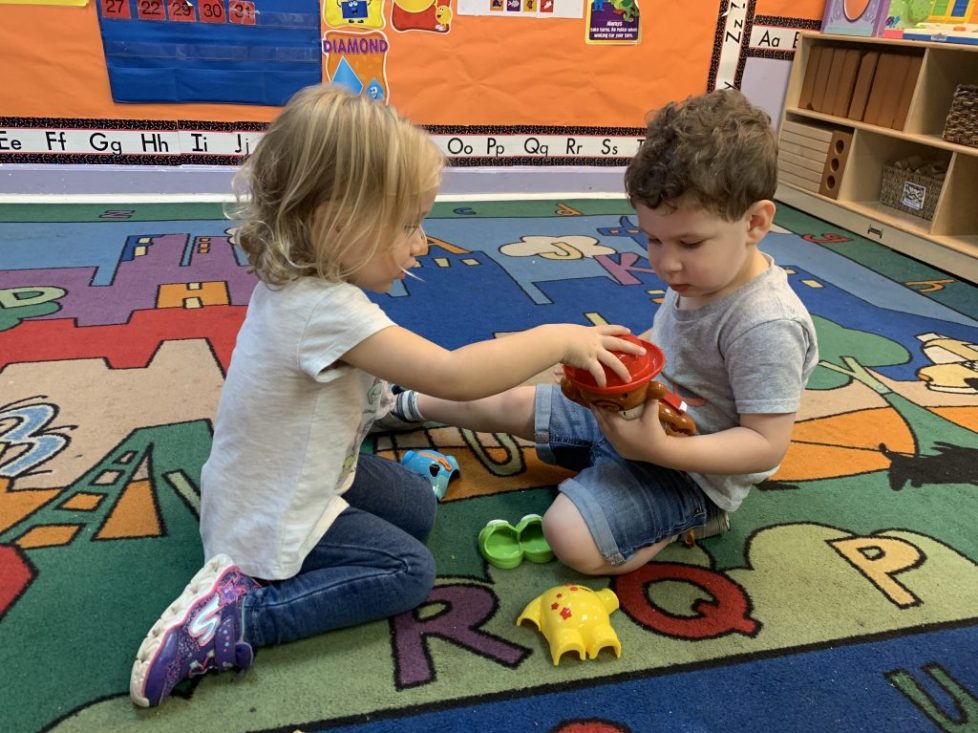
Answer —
750 352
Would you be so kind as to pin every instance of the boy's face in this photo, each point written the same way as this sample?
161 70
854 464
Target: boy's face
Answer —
702 256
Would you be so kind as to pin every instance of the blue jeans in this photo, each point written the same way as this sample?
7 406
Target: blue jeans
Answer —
627 505
371 563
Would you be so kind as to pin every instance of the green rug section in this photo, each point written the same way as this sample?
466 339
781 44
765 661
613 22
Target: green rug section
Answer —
311 680
121 211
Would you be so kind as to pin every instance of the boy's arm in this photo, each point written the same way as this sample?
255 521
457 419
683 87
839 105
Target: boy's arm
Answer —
757 444
487 367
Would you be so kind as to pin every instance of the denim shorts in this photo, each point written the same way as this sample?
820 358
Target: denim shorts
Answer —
627 505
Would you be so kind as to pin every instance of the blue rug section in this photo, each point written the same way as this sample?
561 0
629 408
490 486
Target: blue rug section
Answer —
919 682
101 246
505 293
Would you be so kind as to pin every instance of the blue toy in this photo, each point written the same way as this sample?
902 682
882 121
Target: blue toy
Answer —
436 466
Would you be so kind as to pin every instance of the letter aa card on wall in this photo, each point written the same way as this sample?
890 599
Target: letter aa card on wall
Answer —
241 51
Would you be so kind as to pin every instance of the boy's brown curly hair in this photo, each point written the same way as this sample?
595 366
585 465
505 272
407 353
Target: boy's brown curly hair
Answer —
716 151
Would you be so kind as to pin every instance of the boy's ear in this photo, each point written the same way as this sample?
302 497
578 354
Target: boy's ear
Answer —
760 217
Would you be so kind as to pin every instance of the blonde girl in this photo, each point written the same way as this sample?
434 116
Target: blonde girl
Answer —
302 534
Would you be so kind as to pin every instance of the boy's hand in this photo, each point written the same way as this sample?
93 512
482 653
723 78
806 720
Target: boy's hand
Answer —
641 439
592 348
757 444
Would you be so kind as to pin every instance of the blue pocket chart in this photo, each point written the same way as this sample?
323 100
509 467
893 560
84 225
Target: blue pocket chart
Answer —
236 51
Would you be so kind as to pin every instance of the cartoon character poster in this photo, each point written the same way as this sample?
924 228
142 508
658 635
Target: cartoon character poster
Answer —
612 22
353 13
422 15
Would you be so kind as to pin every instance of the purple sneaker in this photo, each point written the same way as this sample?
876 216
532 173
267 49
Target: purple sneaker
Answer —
200 631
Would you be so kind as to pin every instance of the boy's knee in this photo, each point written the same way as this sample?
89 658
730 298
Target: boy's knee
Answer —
583 564
571 540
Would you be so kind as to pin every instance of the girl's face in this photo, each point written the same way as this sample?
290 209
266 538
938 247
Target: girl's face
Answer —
378 272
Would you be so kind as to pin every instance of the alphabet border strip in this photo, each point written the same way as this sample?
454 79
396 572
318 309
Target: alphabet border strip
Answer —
156 142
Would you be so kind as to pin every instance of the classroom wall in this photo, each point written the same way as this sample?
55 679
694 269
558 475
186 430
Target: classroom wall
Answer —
503 73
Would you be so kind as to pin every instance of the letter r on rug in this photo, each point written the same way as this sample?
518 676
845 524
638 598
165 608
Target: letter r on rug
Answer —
467 607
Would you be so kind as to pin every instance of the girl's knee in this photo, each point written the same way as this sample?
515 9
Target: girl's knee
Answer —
418 579
426 513
421 508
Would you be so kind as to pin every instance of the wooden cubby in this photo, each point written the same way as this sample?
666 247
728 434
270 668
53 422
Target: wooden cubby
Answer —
949 240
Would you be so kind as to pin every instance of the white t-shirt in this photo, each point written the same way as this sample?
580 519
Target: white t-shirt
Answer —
289 425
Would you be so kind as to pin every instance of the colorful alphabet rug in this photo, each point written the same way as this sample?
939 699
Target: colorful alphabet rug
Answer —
844 596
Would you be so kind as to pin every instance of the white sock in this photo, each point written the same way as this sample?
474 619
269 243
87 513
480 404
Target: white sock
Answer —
406 406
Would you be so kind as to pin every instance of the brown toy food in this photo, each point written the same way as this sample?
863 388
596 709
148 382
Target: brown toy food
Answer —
629 398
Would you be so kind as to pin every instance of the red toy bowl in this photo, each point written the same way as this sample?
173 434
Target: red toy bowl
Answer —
642 367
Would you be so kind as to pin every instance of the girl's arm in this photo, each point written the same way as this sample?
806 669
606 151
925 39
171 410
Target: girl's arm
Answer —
488 367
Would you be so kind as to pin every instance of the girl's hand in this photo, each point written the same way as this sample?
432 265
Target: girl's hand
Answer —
591 348
641 439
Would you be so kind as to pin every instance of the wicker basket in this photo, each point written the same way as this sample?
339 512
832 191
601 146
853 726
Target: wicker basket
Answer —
962 121
910 186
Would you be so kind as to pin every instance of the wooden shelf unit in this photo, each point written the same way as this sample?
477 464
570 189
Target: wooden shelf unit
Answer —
949 241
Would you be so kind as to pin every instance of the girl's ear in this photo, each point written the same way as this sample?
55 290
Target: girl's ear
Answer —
760 217
327 220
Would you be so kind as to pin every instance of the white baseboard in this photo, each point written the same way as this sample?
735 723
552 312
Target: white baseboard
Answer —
26 183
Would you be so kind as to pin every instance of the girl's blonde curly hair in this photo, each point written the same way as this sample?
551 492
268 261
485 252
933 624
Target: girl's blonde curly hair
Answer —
334 173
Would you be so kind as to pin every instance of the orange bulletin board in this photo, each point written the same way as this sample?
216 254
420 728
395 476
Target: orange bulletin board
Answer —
489 71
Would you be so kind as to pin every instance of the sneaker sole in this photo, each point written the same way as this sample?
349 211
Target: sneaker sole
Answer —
175 615
718 525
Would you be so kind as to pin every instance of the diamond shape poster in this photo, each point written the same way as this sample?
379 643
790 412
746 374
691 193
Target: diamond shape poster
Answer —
357 61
